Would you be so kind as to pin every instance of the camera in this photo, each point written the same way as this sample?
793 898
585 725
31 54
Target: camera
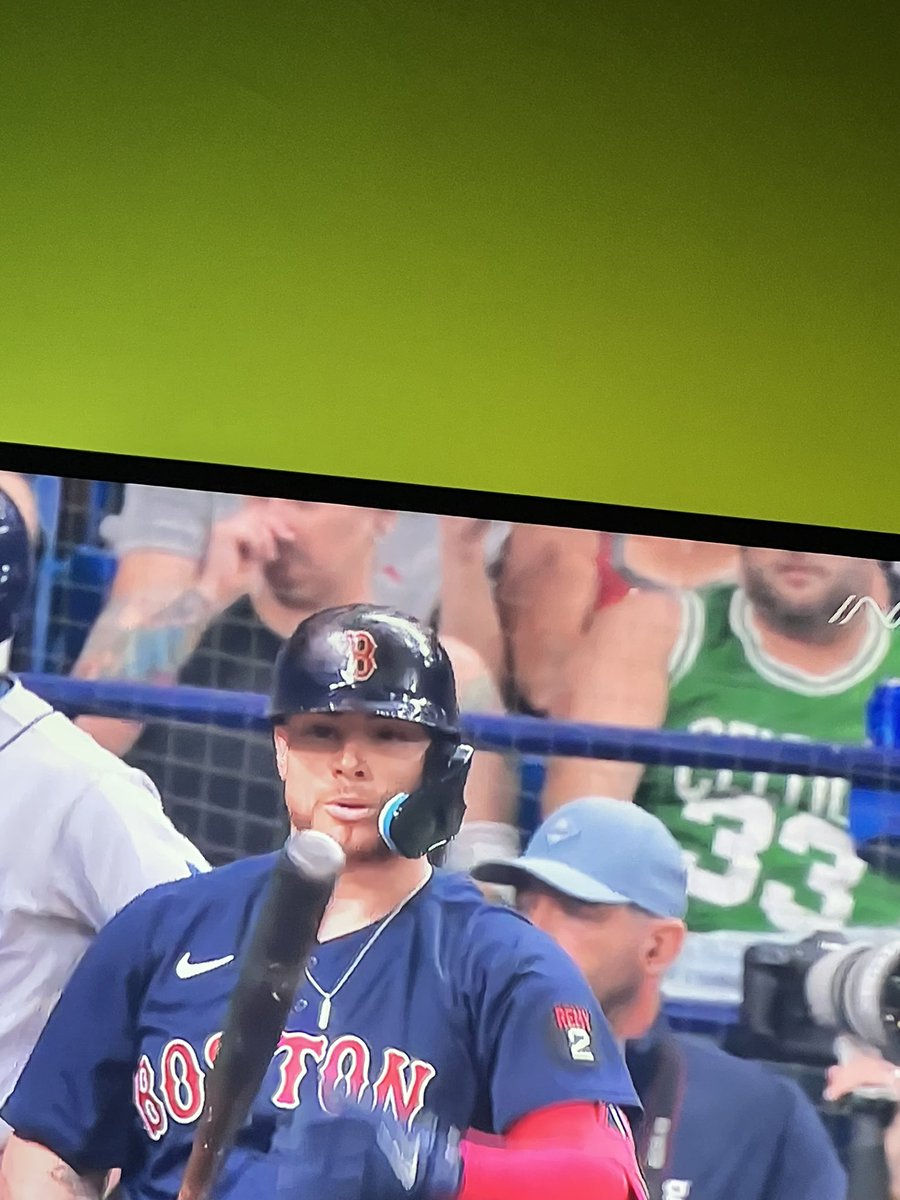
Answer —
798 998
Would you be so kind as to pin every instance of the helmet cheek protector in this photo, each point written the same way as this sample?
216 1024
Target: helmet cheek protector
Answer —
415 823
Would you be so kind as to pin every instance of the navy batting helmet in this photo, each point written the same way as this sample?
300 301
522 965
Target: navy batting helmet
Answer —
362 658
16 565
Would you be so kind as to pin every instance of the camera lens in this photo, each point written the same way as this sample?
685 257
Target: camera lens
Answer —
856 989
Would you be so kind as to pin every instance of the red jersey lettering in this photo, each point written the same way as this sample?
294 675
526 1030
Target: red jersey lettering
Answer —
146 1101
182 1082
345 1070
402 1083
295 1049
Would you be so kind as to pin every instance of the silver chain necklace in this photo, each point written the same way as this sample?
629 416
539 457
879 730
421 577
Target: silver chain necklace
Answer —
327 997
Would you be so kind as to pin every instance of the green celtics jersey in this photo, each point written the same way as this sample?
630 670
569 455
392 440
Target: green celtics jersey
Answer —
767 851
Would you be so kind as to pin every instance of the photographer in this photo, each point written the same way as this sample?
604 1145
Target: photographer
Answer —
607 881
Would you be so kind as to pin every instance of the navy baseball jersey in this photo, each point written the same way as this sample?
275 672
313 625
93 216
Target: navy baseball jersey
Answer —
460 1007
739 1130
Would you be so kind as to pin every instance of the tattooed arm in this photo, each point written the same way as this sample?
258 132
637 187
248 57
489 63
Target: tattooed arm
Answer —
161 604
32 1172
143 638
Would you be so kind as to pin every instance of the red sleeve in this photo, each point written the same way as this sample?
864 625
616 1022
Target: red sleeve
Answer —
611 587
580 1151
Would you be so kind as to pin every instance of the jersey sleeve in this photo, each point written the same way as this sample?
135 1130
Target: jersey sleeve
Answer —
541 1038
74 1095
806 1165
169 520
116 843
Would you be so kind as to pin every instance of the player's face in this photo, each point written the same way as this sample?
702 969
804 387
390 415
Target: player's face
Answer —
340 769
329 542
799 592
604 940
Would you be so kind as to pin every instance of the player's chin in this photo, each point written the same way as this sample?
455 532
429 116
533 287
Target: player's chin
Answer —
359 839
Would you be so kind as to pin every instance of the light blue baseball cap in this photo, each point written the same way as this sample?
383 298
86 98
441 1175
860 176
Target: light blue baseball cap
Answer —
601 851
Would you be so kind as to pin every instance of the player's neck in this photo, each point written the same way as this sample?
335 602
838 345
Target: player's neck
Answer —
366 892
283 618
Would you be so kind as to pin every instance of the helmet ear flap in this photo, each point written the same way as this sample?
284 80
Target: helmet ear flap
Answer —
420 822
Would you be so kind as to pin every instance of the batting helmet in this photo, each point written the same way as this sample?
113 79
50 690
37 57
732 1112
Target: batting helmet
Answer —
365 659
16 565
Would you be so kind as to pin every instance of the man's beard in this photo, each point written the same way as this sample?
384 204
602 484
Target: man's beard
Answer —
809 623
305 590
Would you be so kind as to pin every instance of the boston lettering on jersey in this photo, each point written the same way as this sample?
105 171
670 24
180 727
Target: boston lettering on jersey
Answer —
436 1015
767 851
174 1088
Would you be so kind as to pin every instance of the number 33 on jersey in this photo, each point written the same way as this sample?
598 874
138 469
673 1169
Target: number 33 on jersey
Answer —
767 851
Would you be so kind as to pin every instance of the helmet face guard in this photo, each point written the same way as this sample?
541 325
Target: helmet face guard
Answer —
363 659
16 565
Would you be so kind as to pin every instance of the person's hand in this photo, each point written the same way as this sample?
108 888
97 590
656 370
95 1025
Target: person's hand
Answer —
239 549
863 1071
359 1151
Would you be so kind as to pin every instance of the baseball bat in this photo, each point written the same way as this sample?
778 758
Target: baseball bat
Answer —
281 942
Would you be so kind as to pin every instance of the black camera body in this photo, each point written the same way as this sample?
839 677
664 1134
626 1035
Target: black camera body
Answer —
798 998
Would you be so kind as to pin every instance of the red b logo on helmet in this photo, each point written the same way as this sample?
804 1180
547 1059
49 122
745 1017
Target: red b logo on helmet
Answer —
361 662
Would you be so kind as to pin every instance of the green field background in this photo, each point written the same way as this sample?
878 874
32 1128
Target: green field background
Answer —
643 253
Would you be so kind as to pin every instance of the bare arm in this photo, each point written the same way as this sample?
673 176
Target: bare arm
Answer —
468 609
620 677
145 633
32 1172
161 604
491 789
546 593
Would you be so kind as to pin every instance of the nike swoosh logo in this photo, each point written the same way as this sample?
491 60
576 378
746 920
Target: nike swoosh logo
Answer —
185 969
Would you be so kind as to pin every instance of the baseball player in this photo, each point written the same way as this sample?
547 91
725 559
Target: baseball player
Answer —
428 1020
80 835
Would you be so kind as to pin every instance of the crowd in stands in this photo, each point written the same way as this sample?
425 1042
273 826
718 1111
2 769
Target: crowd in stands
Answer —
572 624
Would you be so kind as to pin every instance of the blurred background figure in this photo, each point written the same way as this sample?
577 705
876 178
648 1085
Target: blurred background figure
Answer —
607 881
767 852
81 834
17 491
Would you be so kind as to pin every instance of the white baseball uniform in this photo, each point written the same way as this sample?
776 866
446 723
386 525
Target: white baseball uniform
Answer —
81 834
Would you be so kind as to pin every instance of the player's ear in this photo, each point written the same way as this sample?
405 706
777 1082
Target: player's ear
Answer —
280 738
663 945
